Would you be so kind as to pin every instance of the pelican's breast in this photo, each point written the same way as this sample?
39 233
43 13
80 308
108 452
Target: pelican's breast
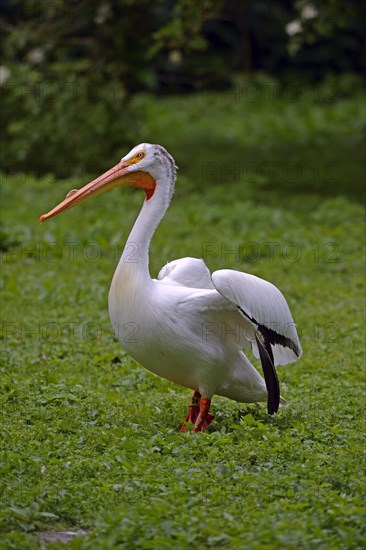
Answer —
145 321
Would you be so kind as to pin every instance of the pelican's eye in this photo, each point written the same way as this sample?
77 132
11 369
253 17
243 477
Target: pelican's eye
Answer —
136 158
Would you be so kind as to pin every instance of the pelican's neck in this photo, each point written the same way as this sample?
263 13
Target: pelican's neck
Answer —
134 261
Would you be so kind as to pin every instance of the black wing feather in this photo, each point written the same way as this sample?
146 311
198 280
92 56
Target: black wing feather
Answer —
270 375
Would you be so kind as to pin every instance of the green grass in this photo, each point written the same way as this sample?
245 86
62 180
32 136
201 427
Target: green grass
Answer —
90 439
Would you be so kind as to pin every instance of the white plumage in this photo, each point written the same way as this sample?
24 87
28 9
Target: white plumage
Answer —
188 326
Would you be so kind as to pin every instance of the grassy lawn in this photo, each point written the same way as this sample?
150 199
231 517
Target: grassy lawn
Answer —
90 439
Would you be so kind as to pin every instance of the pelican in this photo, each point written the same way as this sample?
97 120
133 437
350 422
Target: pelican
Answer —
191 326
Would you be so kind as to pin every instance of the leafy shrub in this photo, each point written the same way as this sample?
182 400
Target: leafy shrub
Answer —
58 125
72 69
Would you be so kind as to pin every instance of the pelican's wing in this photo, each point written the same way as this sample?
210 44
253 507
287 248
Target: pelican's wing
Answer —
188 272
266 308
275 337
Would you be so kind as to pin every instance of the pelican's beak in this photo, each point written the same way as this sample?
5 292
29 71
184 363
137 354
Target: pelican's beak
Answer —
119 175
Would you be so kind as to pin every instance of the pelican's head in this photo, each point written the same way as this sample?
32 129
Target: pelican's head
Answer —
147 166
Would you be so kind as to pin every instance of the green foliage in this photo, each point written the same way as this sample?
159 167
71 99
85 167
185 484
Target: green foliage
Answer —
266 134
90 439
183 31
60 126
320 19
71 70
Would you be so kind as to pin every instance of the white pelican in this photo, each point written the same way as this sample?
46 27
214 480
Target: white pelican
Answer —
191 327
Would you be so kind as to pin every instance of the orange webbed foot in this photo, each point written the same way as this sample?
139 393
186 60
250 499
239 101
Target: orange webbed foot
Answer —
198 413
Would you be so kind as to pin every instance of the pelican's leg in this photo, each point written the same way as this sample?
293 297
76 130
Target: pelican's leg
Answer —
193 410
204 419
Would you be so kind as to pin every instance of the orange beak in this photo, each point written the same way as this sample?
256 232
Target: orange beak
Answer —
119 175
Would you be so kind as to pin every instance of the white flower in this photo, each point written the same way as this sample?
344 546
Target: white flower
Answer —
294 27
175 56
104 12
35 56
4 74
309 12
